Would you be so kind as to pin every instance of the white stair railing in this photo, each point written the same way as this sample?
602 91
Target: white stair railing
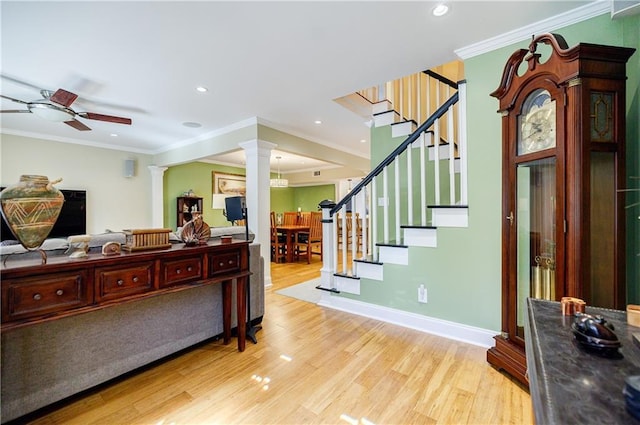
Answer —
356 229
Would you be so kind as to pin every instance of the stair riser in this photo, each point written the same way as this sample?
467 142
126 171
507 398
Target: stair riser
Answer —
386 118
394 255
443 152
421 237
347 285
402 129
370 271
380 107
450 217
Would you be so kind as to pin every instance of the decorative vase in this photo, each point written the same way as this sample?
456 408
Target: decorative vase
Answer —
31 208
196 231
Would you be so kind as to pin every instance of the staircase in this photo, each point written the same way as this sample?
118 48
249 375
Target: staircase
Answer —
419 188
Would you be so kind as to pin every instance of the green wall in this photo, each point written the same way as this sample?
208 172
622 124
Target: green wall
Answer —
306 198
197 176
463 274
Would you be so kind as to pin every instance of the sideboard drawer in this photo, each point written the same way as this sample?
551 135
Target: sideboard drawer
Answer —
181 271
117 281
34 296
224 262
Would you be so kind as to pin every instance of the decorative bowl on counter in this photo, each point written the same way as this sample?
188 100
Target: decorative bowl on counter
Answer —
595 333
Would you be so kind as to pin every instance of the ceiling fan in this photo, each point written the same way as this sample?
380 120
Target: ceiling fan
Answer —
55 106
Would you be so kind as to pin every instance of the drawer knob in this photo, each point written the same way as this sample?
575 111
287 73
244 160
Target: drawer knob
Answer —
178 271
135 279
230 261
59 292
37 297
221 264
120 282
189 268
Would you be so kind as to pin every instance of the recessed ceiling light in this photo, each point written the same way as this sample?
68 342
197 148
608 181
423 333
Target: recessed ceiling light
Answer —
318 122
202 89
113 135
363 141
440 10
192 124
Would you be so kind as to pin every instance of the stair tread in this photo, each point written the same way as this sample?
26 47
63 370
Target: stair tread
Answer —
367 260
392 244
348 276
404 122
335 291
386 112
413 226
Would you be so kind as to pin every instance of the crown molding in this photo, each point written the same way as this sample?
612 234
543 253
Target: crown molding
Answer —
73 141
571 17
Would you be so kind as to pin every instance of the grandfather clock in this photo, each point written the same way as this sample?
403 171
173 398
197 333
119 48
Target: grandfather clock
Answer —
563 141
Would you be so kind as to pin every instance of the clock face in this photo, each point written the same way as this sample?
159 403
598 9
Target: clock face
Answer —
537 123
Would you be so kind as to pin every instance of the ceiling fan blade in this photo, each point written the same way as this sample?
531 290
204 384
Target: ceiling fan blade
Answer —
63 97
13 100
77 125
108 118
16 111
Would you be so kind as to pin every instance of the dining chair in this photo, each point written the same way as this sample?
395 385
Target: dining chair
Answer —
304 219
313 243
278 242
290 218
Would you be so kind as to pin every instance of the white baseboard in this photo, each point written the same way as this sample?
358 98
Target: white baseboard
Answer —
430 325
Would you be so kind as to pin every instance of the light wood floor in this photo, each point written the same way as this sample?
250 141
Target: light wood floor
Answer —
311 366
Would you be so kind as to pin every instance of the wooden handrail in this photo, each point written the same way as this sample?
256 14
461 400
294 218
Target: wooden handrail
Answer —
397 151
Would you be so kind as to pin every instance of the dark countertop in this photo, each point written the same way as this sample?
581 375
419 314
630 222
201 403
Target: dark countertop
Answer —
568 384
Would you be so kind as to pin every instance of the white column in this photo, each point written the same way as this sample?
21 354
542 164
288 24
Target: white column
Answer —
157 196
258 173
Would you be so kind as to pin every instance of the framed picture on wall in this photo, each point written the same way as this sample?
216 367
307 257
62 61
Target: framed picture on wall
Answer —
229 184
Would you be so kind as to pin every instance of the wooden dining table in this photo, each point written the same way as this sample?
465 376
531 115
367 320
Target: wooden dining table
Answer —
291 231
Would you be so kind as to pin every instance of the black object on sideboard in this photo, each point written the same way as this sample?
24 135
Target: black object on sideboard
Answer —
571 384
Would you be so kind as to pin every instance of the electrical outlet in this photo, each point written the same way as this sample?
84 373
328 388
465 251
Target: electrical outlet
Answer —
422 294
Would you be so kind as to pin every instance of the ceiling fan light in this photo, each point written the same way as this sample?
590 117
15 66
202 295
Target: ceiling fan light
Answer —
50 112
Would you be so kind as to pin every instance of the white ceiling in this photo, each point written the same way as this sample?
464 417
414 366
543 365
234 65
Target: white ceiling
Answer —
276 62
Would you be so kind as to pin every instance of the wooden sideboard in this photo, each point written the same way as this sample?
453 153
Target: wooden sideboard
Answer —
34 293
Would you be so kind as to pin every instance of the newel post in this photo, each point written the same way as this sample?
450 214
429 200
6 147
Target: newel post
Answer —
328 251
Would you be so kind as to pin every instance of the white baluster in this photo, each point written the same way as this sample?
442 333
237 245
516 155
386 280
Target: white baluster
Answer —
396 166
409 186
374 219
452 168
385 207
436 159
423 181
462 137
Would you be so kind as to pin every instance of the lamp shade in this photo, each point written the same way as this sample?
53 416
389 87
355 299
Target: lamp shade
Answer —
50 112
217 202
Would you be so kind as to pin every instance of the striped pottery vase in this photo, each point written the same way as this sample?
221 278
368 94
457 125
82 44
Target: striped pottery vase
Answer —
31 208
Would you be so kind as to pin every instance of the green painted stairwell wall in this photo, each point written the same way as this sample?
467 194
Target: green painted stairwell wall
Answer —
463 274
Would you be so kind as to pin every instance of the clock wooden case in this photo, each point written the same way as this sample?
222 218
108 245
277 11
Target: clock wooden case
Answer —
563 140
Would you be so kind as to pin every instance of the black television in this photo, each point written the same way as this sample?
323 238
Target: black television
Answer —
71 221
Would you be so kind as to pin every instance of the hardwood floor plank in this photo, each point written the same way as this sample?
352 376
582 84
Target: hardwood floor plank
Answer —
321 366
